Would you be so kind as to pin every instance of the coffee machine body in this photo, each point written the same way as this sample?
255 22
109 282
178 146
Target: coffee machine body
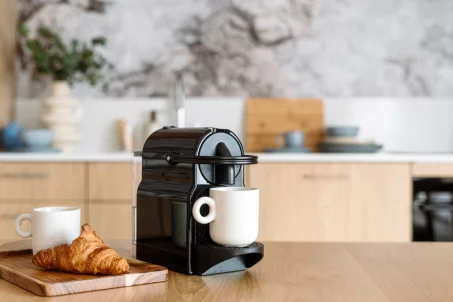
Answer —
180 165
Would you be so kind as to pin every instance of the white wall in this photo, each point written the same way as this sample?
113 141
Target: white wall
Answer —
99 125
402 125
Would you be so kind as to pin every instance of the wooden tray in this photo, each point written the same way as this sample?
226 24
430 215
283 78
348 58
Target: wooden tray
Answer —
17 268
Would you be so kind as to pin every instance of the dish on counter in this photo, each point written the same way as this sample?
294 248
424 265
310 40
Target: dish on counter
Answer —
288 150
348 140
37 138
342 131
349 148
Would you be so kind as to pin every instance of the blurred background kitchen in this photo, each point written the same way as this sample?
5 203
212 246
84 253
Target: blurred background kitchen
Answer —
348 103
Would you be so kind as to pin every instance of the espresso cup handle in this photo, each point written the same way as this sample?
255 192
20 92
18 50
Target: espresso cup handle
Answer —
19 230
197 206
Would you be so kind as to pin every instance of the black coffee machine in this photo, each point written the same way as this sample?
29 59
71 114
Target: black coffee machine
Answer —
180 165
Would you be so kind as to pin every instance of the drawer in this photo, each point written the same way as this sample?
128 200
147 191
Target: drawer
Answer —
432 170
9 213
111 221
42 181
111 181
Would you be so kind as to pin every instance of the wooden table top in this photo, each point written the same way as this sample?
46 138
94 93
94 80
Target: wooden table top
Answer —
297 271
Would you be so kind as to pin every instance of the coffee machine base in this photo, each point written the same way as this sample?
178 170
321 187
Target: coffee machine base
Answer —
207 259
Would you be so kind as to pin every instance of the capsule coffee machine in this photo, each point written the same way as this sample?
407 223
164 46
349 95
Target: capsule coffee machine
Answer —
180 165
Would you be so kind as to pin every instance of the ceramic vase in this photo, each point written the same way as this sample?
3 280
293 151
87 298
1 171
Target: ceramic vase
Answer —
60 115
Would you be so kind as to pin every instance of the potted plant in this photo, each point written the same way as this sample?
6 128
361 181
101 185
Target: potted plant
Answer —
66 64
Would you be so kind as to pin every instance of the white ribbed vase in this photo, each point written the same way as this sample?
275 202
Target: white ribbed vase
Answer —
60 115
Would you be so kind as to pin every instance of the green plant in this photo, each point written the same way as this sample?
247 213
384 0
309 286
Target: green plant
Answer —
76 62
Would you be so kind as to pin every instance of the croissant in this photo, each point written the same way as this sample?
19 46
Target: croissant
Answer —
87 254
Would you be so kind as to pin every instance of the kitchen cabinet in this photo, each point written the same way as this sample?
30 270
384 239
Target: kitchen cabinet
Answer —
111 221
43 181
110 181
333 202
104 192
432 170
111 194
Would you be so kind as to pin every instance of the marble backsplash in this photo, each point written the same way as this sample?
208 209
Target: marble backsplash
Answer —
325 48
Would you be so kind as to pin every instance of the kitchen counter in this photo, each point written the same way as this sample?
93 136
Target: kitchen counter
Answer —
263 157
61 157
297 271
355 158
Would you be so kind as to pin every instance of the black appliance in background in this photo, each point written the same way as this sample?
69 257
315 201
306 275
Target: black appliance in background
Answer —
180 165
432 218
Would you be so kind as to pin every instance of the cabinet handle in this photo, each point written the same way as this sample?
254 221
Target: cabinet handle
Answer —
25 175
327 176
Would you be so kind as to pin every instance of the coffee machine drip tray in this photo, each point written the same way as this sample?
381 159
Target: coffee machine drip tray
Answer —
207 259
211 259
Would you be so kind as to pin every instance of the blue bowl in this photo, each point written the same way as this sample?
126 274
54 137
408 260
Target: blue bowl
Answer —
342 131
37 138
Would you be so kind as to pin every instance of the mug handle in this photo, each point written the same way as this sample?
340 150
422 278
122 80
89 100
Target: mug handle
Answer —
197 206
19 219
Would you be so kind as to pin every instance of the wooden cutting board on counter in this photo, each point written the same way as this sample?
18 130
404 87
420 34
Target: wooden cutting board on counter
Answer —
268 118
17 268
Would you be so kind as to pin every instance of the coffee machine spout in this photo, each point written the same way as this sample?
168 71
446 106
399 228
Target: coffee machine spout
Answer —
223 174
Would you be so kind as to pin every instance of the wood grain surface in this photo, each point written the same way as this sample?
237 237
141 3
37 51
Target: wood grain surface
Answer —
432 170
111 181
43 181
17 268
267 119
7 59
335 202
318 272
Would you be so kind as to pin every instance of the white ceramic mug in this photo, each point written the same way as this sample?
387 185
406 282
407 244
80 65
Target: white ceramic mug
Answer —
50 226
233 215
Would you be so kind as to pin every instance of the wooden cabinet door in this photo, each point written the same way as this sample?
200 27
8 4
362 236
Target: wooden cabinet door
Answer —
384 194
333 202
110 181
111 196
111 221
43 181
302 202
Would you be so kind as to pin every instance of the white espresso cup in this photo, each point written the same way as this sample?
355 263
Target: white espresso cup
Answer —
50 226
233 215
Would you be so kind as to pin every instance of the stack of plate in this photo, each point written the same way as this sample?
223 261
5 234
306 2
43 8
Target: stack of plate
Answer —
344 140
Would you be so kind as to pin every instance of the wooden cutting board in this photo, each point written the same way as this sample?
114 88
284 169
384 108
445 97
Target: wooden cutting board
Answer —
17 268
267 119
